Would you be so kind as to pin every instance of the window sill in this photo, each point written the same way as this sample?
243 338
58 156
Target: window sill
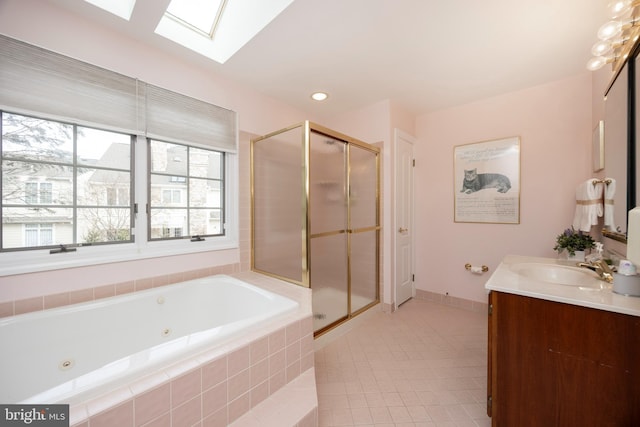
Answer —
12 263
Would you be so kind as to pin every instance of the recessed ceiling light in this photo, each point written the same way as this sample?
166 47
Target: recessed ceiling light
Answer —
319 96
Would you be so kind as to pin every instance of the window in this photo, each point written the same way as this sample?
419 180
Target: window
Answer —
63 180
217 29
38 234
68 134
37 193
202 16
186 191
171 197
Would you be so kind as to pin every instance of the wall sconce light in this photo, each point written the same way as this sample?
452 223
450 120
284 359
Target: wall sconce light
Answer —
617 36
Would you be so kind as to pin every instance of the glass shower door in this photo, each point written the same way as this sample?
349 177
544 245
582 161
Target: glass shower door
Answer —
328 229
278 213
364 227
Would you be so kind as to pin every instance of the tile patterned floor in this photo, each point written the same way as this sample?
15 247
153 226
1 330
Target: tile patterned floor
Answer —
423 366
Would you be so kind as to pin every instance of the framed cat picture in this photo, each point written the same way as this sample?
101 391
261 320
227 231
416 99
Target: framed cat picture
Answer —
487 181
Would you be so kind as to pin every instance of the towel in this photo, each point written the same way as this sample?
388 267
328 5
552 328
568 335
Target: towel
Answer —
609 192
588 205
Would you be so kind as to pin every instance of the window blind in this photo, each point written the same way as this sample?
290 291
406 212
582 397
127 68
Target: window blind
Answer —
44 83
178 118
50 85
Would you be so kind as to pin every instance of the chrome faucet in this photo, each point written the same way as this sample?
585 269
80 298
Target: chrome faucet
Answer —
601 268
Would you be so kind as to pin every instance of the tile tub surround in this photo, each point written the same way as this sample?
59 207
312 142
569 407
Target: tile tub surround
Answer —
216 386
44 302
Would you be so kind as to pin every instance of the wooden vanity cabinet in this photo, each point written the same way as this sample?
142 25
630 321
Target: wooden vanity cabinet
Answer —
555 364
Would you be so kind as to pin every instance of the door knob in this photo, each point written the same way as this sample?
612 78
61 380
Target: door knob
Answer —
402 230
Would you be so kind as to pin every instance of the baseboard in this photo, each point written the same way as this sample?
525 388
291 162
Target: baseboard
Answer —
452 301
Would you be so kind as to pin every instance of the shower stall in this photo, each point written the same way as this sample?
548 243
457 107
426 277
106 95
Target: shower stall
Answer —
315 201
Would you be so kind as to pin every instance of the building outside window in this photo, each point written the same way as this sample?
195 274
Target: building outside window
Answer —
186 191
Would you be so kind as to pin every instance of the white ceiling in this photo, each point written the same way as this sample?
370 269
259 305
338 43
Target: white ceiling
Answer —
424 55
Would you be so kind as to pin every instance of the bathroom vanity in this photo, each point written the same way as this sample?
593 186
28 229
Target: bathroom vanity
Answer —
564 350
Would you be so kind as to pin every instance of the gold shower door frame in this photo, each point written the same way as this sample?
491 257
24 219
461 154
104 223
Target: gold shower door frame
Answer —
306 129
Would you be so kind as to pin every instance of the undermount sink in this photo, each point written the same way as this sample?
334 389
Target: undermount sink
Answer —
559 274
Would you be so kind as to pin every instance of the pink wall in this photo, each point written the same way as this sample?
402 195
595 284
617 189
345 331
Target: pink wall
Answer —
553 122
49 26
55 28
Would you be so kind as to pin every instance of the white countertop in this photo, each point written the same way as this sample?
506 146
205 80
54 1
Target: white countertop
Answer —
504 279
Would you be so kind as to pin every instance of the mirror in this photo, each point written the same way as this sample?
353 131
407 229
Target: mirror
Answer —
622 123
615 147
634 152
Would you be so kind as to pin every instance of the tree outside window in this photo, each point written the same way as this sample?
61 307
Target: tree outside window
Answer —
63 184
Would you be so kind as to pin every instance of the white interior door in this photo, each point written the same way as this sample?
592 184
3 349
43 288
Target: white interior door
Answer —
403 227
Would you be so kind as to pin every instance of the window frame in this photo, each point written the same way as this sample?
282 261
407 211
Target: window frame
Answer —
45 84
40 259
184 198
34 189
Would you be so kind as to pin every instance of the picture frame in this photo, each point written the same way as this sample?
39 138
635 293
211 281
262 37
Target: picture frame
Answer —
597 146
487 181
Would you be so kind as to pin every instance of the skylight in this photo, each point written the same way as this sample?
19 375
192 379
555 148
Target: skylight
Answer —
121 8
202 15
217 29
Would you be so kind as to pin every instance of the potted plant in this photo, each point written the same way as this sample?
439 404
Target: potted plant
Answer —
573 241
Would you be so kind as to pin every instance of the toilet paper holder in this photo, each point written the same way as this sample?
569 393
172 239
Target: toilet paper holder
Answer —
473 269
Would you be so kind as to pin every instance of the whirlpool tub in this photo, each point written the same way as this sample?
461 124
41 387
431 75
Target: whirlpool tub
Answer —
77 352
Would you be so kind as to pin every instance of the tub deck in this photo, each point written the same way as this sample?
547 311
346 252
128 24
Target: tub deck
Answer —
244 379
